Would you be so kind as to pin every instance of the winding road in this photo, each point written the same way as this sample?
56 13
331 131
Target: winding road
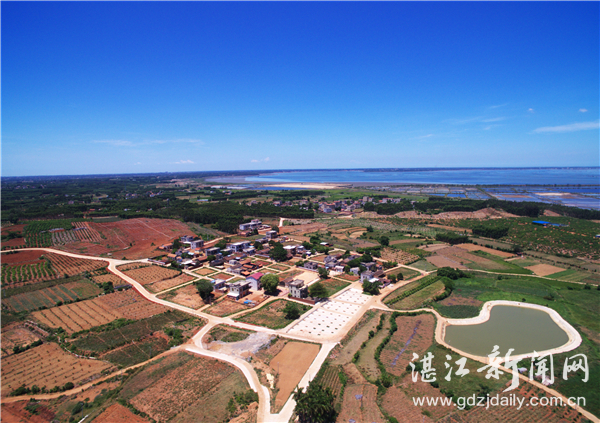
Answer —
327 342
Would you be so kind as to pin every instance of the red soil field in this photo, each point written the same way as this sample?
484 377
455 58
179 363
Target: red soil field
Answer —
131 238
116 413
15 413
22 257
14 228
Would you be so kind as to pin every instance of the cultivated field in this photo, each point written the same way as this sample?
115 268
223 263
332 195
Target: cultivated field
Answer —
473 247
544 269
360 404
156 278
49 297
184 388
98 311
132 238
17 334
414 335
116 413
47 365
292 362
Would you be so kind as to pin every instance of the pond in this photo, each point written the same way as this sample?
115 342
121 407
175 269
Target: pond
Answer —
524 329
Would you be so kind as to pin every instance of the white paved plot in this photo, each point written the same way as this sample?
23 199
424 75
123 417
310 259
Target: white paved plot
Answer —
328 319
340 307
321 323
353 296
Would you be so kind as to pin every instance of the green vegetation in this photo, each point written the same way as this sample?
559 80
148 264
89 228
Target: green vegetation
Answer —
271 315
270 283
316 405
410 289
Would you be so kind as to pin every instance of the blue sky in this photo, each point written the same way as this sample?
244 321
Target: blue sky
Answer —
131 87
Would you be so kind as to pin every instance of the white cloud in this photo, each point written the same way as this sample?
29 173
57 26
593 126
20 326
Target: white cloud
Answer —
583 110
498 119
266 159
184 162
499 105
530 110
422 137
138 163
579 126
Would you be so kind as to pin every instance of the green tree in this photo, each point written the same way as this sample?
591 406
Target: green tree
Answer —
318 290
258 245
316 405
371 288
270 283
384 240
278 253
176 244
205 289
291 311
323 273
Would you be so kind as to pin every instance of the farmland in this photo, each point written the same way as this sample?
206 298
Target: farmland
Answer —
271 315
126 332
157 278
86 314
47 366
185 388
134 238
225 307
49 297
117 413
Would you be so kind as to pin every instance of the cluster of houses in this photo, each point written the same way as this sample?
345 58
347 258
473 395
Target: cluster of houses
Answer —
334 262
240 289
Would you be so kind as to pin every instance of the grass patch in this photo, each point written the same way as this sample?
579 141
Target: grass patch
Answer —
271 315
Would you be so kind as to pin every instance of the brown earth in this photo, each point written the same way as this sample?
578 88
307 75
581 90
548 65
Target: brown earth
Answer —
187 296
116 413
16 334
226 307
473 247
15 413
544 269
22 257
292 362
441 261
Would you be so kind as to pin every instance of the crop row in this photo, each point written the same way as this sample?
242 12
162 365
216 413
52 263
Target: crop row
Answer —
425 283
26 272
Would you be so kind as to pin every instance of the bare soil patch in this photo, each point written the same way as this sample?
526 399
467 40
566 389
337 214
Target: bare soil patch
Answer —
473 247
187 296
116 413
544 269
455 299
226 307
16 334
204 271
442 261
16 413
292 362
397 404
